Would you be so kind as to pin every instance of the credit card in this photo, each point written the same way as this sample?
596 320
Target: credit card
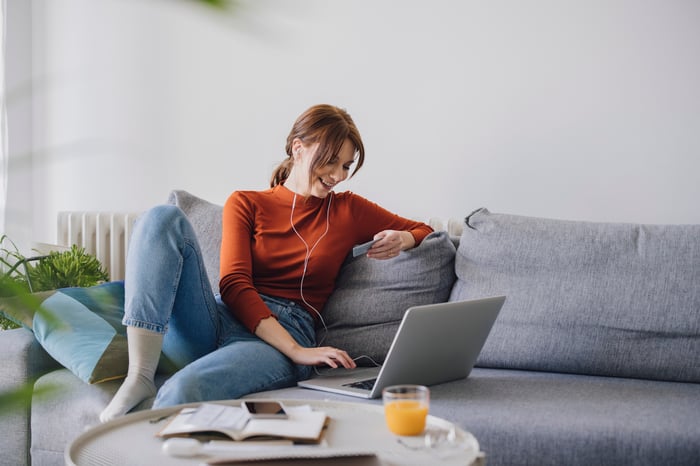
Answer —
362 249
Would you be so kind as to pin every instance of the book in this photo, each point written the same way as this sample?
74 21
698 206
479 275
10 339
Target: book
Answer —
302 425
320 457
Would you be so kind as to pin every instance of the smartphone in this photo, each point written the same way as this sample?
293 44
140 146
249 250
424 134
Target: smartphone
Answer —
361 249
265 409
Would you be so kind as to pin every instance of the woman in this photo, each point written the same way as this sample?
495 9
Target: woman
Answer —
281 252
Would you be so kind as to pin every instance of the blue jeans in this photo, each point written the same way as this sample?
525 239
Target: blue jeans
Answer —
216 357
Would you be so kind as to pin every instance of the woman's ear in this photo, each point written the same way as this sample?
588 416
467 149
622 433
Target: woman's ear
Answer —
297 148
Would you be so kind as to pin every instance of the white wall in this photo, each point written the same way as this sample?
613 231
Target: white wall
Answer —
18 85
584 110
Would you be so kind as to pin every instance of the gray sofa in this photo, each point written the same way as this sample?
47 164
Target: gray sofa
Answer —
594 358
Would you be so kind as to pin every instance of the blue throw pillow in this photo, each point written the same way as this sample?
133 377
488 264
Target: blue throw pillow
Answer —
80 328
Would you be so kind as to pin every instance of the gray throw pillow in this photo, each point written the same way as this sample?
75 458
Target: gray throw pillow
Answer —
371 296
205 218
609 299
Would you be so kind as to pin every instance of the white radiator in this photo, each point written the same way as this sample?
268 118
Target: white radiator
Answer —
104 234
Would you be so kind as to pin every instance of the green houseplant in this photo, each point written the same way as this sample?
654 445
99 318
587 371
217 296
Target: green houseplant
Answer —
20 275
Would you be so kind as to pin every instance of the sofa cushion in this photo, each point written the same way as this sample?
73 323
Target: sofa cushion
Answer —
549 419
79 327
205 218
583 297
365 309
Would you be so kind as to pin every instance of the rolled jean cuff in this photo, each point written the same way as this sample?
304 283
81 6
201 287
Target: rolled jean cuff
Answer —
156 328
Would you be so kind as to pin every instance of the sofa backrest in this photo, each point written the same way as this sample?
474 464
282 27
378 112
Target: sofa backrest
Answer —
605 299
582 297
205 218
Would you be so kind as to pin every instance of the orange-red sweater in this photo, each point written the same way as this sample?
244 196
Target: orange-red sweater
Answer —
261 253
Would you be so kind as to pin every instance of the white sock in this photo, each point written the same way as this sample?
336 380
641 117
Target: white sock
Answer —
144 354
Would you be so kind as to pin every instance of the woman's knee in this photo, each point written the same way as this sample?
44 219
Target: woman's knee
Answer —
161 217
182 387
162 221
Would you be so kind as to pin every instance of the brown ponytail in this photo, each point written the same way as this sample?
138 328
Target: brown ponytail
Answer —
282 171
327 125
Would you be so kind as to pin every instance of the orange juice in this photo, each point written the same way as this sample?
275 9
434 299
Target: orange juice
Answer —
406 417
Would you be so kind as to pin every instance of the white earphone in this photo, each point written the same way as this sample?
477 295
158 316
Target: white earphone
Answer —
306 263
308 255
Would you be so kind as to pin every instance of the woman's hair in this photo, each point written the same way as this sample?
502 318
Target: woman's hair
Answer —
327 125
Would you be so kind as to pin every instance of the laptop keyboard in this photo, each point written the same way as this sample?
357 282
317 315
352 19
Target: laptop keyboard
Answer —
362 384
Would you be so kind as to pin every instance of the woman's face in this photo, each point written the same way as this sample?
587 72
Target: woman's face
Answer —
325 178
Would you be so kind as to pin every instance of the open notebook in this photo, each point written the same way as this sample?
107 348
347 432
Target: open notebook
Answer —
435 343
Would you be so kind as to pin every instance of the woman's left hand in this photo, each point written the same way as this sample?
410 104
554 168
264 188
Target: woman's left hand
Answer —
390 243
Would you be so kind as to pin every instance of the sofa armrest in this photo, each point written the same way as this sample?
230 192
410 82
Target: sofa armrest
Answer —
23 359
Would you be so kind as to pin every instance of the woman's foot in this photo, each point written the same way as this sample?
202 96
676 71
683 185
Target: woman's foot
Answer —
133 391
144 353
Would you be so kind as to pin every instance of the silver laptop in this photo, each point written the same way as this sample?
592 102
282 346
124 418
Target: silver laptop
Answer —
434 343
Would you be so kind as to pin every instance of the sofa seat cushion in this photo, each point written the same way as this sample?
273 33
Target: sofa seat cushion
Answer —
583 297
542 418
371 296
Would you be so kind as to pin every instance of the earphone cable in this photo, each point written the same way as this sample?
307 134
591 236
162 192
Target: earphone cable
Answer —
306 263
308 256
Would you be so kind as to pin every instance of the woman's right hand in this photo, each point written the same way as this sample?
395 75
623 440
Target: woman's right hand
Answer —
273 333
328 355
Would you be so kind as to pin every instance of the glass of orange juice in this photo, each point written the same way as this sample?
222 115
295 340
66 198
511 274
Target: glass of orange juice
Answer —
406 408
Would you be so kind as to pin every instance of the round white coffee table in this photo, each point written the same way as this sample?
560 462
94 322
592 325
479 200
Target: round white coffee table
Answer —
131 440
